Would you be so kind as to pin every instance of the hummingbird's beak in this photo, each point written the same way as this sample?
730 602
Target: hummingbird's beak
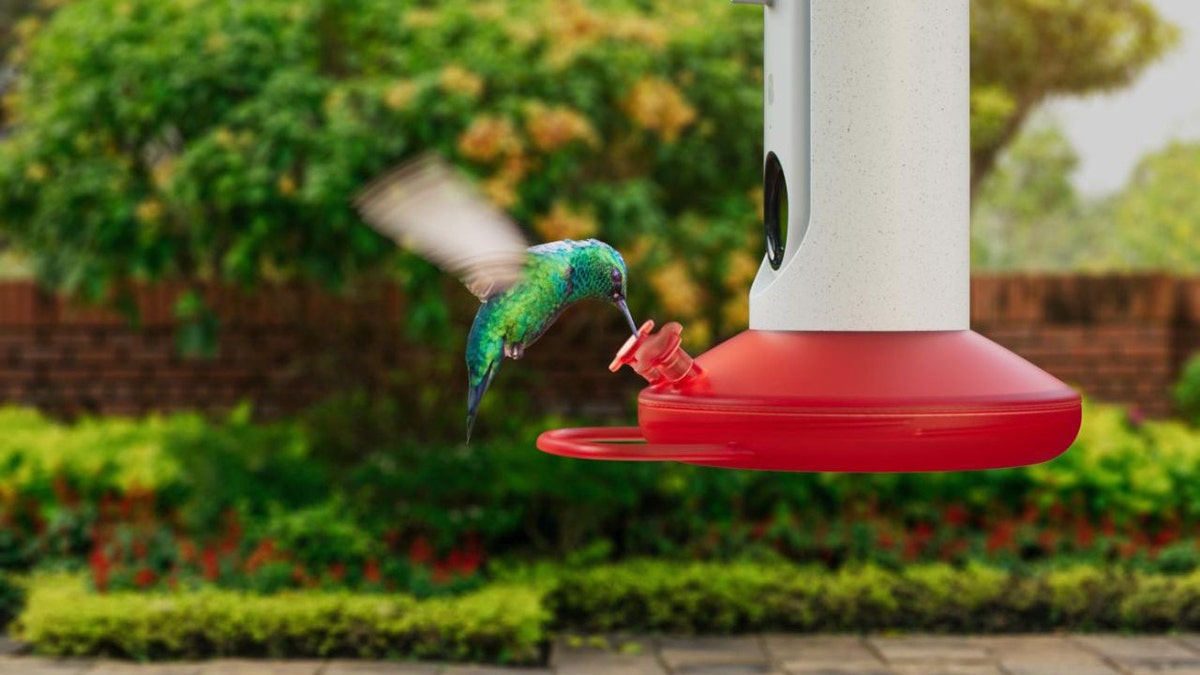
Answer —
628 317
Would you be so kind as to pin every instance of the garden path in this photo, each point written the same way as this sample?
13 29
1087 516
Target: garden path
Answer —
764 654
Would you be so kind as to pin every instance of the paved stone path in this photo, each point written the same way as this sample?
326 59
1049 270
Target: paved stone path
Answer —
766 654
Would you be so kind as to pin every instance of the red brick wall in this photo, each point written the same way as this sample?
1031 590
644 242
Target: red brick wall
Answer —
1120 338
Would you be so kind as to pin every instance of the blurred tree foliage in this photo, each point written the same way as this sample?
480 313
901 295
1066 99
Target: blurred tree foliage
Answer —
1158 214
1028 214
222 140
1024 51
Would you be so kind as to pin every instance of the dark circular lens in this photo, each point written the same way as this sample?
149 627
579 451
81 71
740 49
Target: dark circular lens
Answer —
774 210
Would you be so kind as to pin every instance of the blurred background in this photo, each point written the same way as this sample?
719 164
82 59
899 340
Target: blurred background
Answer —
215 375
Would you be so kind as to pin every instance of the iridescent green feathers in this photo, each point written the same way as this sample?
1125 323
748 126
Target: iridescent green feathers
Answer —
425 206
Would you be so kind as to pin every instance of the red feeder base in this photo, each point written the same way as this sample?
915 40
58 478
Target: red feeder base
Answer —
844 402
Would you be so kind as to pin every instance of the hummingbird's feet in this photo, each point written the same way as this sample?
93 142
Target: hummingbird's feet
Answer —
514 351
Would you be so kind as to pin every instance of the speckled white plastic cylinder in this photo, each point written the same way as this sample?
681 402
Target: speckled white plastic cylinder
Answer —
867 109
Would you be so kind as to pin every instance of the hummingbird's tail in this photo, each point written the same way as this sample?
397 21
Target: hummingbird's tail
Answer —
475 394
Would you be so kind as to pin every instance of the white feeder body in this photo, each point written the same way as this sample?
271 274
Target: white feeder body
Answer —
876 163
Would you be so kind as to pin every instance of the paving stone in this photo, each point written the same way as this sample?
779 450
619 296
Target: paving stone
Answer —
1032 667
727 669
949 669
378 668
800 668
1190 641
1140 651
129 668
1165 670
260 667
473 669
929 649
679 653
817 649
599 662
1042 655
36 666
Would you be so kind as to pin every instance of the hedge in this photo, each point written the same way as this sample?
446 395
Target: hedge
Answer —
709 598
502 624
513 622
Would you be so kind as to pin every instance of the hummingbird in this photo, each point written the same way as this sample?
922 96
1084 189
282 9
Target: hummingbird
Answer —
427 207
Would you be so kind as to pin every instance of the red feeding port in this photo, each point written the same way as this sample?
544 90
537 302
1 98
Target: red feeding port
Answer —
847 402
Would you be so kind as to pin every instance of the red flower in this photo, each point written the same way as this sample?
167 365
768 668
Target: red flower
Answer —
261 554
371 572
1084 534
885 541
187 551
209 565
1048 540
100 569
144 578
1001 538
441 573
420 553
1107 526
139 550
955 514
337 571
1031 514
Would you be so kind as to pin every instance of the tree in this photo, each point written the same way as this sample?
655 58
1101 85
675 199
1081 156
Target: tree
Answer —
1158 212
1025 51
220 140
1025 201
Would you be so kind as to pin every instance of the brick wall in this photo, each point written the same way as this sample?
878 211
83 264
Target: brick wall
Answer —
1120 338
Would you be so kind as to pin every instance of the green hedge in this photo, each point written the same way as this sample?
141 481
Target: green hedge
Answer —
512 622
503 624
710 598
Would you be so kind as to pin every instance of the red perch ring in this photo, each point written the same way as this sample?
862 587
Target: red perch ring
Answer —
845 402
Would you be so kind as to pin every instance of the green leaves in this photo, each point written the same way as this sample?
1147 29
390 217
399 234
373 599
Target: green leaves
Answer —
498 624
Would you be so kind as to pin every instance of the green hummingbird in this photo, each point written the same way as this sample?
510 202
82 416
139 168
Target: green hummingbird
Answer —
427 207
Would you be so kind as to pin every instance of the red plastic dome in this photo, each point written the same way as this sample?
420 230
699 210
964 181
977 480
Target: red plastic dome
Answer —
847 402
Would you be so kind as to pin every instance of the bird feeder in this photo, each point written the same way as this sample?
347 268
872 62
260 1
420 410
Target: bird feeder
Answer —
859 356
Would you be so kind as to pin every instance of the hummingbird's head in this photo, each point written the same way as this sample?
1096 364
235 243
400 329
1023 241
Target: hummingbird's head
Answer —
598 272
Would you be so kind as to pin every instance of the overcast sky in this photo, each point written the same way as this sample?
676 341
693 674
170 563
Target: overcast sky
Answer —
1112 132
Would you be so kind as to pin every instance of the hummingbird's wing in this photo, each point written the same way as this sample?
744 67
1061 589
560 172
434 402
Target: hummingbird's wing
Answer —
426 206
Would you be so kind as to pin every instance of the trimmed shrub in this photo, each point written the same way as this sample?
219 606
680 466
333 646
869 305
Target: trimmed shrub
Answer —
12 599
742 597
499 624
1187 391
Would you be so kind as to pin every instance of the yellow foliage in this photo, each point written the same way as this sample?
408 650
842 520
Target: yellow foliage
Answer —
149 211
286 185
487 138
551 128
216 43
455 79
400 94
572 27
657 105
162 171
37 172
679 293
564 223
636 28
421 18
697 335
741 268
736 311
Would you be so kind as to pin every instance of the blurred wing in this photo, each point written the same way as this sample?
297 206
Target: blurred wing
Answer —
427 207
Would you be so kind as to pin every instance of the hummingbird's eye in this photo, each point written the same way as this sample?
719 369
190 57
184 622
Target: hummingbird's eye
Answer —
616 275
